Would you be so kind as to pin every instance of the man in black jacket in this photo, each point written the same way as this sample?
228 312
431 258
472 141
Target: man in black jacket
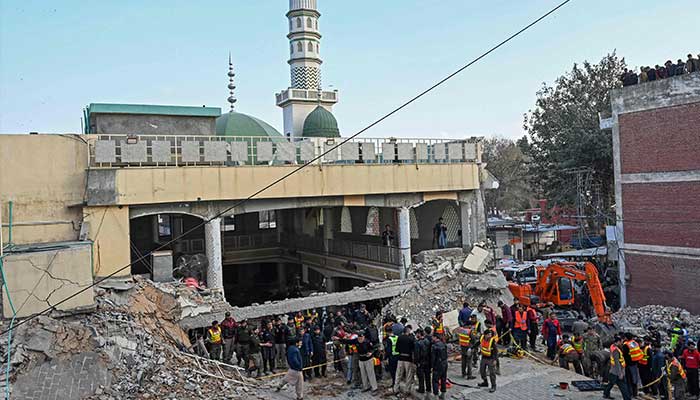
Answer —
404 370
423 348
438 360
319 354
243 343
281 335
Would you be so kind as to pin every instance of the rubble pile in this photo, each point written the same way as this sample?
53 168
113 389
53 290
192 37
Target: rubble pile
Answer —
443 283
659 316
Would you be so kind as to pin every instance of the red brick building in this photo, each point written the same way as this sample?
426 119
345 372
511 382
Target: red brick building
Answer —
656 150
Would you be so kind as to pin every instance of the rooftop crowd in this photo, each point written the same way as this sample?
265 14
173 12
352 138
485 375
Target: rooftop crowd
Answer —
669 69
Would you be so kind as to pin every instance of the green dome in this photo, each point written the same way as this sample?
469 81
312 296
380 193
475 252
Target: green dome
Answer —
320 123
237 124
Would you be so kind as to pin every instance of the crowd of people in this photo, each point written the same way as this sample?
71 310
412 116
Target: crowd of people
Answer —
669 69
364 353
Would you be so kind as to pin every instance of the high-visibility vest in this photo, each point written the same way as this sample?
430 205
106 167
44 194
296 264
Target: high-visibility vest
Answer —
298 321
215 334
439 329
645 358
620 360
486 346
393 340
476 326
376 361
566 348
578 344
464 335
678 365
636 353
521 320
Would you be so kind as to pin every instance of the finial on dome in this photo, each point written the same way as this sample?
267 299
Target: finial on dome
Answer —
231 98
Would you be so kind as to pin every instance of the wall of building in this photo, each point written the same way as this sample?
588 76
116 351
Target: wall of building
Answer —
44 176
133 124
657 190
108 228
40 279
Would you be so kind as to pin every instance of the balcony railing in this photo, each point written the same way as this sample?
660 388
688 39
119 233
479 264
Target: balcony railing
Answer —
177 150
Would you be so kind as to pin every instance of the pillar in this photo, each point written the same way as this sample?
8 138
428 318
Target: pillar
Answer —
465 216
480 217
212 242
330 284
281 275
404 239
305 273
327 228
280 225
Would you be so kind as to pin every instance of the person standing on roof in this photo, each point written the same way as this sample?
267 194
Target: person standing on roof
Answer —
294 375
440 234
215 340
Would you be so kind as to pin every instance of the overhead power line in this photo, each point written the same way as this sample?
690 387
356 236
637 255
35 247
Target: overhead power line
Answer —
294 171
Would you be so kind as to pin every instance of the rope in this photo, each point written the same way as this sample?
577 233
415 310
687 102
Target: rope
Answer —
303 369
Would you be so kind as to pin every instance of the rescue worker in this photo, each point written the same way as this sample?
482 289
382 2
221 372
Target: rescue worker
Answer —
464 336
616 375
438 326
676 374
366 361
438 361
307 351
477 330
520 327
298 320
228 331
644 364
533 320
632 353
568 354
676 333
658 366
391 355
691 361
489 355
255 361
580 326
294 375
577 342
215 340
423 354
281 335
405 346
591 344
504 322
242 344
319 357
551 331
267 348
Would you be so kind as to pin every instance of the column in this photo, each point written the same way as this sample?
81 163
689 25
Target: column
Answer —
480 217
280 214
330 285
281 275
465 216
212 241
327 228
405 239
304 273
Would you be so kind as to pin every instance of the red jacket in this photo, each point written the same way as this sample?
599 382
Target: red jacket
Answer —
505 314
545 327
692 360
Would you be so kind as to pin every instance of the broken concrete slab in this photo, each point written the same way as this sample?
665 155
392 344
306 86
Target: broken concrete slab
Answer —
40 341
477 261
427 256
119 284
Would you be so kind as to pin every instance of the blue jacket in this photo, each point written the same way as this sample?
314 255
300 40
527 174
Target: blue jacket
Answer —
658 362
294 358
464 315
307 344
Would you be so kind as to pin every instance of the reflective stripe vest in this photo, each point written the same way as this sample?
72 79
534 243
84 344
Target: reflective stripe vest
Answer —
620 360
486 346
352 348
476 326
393 340
521 320
566 348
678 365
645 358
464 335
298 321
578 344
636 353
376 362
439 328
215 334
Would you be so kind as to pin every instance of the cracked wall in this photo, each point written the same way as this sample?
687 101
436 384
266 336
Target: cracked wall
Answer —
40 279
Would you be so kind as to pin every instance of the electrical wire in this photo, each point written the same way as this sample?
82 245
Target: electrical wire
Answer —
294 171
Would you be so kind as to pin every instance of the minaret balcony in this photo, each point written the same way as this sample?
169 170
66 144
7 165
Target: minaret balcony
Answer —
306 95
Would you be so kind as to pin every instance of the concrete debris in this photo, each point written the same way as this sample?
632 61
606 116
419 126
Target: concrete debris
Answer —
478 260
442 285
662 317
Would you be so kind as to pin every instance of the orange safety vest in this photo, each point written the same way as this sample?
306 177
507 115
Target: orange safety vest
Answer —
566 348
464 335
215 334
437 325
645 359
678 365
298 321
578 345
377 362
636 353
621 360
521 320
486 346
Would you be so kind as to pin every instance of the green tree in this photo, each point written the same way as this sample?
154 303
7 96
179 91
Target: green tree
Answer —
564 132
506 161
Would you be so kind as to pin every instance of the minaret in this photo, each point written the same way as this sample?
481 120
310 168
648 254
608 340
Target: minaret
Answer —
231 98
305 92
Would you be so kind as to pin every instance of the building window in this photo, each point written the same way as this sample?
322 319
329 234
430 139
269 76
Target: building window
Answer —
299 47
228 224
309 23
267 220
164 227
310 46
291 48
298 22
372 227
316 24
290 24
318 48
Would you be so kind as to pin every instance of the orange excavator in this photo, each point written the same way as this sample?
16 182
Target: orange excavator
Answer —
555 285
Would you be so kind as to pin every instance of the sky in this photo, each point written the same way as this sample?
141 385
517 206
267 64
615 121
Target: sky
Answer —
57 57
